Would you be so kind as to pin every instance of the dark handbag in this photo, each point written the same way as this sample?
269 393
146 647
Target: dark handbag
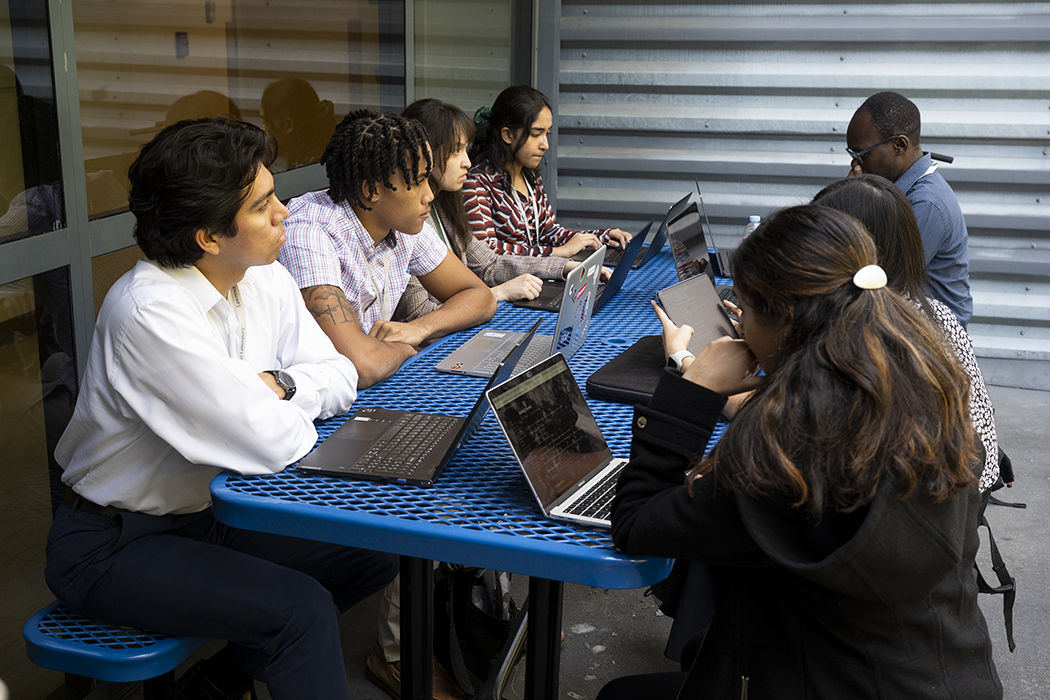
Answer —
630 377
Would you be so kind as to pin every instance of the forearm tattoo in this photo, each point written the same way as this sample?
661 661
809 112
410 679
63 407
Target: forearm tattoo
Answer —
328 301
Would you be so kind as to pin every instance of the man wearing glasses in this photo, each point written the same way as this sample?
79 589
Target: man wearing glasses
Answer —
883 139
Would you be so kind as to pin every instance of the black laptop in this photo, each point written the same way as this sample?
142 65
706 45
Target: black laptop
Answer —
553 289
613 256
402 447
690 249
550 296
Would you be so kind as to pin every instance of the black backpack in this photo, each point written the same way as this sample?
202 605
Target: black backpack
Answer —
474 615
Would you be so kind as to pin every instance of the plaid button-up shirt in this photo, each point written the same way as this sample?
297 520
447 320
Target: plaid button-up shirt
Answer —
327 244
491 268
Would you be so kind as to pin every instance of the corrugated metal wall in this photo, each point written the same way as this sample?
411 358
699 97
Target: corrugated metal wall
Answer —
753 100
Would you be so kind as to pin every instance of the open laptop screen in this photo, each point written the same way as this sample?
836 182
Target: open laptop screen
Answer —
690 249
550 428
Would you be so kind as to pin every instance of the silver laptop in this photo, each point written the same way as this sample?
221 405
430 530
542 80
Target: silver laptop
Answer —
403 447
696 303
551 295
479 356
566 460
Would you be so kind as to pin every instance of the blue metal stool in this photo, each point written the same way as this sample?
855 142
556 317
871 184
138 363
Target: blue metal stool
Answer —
59 640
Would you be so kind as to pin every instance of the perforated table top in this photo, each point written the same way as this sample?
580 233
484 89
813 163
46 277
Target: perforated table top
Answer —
480 512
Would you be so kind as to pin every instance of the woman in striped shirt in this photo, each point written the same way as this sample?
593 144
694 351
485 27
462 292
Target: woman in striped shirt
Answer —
504 197
510 277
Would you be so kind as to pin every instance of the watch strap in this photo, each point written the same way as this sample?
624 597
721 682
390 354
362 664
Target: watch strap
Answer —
288 388
676 359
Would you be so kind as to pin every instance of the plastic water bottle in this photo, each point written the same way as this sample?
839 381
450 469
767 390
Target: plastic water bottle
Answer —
752 224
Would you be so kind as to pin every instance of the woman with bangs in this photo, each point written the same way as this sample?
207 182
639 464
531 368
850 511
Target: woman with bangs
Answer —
838 511
511 277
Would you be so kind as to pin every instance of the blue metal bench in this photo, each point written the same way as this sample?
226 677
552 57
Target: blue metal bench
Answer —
59 640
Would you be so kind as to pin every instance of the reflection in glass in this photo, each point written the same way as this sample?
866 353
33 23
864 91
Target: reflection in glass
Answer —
292 67
299 120
37 392
30 169
462 50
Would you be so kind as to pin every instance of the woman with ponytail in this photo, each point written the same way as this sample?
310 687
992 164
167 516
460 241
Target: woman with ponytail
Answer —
504 196
838 511
888 216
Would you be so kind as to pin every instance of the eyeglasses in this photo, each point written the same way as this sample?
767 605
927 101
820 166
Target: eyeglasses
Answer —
859 155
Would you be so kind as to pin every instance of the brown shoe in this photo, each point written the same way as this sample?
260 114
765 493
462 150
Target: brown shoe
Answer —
387 676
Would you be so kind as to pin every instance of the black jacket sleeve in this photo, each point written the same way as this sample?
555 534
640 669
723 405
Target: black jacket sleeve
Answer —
653 513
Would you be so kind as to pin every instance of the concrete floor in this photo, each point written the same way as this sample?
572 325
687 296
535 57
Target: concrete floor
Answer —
614 633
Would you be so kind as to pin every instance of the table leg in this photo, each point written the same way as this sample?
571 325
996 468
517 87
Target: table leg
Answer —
417 627
543 658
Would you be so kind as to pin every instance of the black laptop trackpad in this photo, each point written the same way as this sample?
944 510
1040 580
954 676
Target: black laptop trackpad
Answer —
356 436
368 423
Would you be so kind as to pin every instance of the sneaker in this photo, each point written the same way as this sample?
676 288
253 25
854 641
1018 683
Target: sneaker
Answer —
216 678
387 677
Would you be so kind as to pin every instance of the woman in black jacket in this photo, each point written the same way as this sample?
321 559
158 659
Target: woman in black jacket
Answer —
837 511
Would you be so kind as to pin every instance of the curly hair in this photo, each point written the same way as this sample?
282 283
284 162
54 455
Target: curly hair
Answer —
516 108
367 148
891 114
193 175
446 126
865 389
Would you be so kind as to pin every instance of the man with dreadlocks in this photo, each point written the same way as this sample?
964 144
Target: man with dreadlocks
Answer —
351 248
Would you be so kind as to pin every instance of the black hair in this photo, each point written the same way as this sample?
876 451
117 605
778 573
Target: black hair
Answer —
367 148
890 221
445 125
516 108
193 175
891 114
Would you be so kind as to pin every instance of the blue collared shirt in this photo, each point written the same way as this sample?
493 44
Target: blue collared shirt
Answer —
944 237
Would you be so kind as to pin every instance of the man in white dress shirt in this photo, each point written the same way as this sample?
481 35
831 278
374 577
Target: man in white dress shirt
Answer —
204 358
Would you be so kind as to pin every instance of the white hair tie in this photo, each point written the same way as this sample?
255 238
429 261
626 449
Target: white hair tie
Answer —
870 277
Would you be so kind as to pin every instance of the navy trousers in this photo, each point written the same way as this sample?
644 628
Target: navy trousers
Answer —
276 599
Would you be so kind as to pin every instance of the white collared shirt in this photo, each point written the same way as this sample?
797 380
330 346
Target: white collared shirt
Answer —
166 403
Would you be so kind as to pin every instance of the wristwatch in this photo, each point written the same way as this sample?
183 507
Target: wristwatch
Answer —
676 359
285 381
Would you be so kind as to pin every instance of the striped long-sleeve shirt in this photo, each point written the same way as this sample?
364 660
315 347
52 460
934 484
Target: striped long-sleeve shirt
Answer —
509 221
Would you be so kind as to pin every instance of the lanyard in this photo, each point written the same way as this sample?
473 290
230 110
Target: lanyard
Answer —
242 319
379 286
931 169
532 241
440 229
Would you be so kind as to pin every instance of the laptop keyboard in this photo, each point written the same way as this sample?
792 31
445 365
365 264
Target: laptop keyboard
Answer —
597 503
726 294
539 348
417 435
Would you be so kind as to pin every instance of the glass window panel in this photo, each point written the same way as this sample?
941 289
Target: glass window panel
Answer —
290 66
37 394
462 50
30 167
107 269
